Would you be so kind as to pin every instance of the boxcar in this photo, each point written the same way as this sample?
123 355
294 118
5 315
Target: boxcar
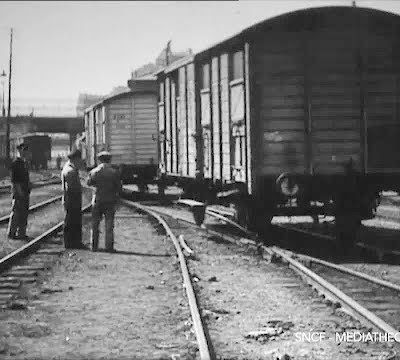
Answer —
298 114
126 125
39 149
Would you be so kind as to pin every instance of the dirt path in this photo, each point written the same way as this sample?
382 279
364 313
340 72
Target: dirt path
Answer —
127 305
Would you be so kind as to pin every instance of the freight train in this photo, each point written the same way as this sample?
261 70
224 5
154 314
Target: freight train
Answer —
296 115
126 125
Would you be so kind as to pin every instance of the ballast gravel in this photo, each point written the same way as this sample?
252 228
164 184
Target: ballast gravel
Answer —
255 309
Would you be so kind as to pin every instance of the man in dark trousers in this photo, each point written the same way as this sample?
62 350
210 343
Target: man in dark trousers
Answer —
72 201
21 188
108 186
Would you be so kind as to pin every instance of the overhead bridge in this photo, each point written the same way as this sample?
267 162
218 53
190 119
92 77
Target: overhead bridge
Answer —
20 125
47 124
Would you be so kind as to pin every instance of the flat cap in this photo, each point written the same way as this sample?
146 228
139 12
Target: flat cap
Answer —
22 146
104 154
75 154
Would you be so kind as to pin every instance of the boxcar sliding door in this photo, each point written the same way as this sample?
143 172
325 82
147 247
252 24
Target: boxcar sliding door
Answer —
382 94
333 96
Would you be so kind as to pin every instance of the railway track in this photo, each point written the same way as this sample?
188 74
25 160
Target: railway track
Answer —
5 189
13 276
373 301
204 345
4 219
368 298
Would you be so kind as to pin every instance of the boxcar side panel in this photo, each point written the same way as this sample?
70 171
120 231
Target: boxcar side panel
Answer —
216 117
182 122
279 81
205 111
92 142
161 126
119 114
334 101
191 119
174 139
225 118
382 102
168 142
99 128
145 129
249 115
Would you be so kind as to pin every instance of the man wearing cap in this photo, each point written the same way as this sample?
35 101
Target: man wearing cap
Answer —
72 201
108 186
21 188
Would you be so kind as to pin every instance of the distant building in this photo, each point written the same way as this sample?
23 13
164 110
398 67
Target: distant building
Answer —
118 90
86 100
166 56
22 106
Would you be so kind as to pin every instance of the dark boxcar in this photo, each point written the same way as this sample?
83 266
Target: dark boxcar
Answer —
126 125
39 150
295 115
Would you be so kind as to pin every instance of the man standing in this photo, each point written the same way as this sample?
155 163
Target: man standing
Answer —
58 162
72 201
21 188
108 186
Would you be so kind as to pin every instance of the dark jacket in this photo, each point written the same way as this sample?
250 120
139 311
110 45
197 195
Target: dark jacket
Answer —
20 174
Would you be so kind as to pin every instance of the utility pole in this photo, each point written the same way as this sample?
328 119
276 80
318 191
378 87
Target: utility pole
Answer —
167 52
9 103
3 106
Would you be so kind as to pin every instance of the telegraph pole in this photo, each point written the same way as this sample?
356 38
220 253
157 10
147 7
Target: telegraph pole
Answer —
9 102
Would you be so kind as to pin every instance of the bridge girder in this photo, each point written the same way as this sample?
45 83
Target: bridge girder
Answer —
68 125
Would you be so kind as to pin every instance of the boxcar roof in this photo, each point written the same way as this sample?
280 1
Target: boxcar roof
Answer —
271 23
283 19
109 99
176 64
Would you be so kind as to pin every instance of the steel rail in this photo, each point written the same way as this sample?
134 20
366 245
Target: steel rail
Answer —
37 206
204 348
36 184
348 271
324 286
31 246
332 291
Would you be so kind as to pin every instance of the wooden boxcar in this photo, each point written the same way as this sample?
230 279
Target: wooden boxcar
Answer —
298 114
39 146
126 125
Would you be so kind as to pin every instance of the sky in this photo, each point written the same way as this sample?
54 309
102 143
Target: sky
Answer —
61 49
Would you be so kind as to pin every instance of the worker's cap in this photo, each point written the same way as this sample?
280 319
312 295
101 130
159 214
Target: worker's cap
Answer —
104 155
22 146
75 154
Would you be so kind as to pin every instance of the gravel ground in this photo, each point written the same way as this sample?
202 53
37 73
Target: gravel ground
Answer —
37 195
382 271
127 305
241 294
38 222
